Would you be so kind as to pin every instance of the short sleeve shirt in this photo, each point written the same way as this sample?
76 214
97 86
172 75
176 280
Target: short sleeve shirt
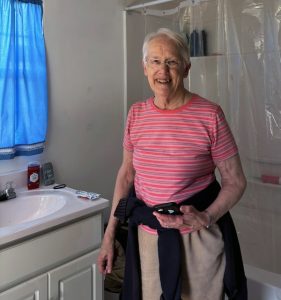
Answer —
175 151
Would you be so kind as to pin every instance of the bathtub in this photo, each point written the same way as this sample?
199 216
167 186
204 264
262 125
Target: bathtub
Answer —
263 285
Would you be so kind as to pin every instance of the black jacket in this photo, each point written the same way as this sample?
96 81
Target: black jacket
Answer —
235 283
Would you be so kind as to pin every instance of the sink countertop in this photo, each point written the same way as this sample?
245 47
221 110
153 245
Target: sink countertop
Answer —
74 208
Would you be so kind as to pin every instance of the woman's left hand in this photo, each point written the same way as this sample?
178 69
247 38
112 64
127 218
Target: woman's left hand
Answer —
191 218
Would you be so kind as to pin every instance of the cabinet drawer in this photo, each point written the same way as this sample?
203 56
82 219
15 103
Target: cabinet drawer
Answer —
41 253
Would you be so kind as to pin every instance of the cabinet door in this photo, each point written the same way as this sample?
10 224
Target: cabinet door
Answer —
34 289
78 279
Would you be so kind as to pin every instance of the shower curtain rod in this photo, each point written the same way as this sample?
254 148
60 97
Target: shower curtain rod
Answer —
156 2
144 5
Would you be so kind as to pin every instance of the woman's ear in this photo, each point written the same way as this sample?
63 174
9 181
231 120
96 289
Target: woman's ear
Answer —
144 68
186 70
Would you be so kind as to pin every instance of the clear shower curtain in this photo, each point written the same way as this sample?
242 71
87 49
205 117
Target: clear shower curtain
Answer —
242 73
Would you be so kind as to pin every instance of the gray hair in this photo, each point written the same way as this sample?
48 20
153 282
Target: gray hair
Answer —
176 37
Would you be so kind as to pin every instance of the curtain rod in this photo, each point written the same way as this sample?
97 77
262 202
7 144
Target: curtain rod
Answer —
156 2
143 5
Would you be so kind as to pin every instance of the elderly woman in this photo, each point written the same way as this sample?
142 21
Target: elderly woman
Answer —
173 143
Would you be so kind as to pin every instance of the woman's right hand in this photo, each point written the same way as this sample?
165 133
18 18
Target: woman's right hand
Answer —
106 256
124 181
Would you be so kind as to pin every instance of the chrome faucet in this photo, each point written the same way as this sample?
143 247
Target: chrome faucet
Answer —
8 193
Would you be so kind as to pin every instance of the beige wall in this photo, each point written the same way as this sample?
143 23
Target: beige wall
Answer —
84 43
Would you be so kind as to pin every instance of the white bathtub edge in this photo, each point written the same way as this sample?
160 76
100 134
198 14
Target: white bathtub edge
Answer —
263 276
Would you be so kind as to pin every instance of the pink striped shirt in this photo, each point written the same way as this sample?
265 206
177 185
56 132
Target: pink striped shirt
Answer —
175 151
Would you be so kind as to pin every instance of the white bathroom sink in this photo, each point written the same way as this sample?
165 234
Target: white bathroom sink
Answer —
34 211
30 205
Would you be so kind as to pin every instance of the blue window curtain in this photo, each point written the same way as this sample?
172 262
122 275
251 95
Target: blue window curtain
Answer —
23 79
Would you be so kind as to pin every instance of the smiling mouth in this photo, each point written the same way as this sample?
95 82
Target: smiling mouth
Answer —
162 81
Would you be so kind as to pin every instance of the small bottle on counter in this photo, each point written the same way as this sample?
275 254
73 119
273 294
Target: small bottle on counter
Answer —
271 179
33 176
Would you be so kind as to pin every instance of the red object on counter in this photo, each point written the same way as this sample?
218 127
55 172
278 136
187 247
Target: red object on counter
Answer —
33 176
271 179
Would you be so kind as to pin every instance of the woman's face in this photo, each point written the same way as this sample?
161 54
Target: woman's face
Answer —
165 79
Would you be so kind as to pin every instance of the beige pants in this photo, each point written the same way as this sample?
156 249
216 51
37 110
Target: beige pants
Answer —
203 265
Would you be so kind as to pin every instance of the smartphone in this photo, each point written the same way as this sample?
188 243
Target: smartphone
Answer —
170 208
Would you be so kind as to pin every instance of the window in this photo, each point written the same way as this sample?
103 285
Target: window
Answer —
23 79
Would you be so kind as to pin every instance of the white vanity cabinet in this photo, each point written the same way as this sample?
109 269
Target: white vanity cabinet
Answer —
56 264
78 279
34 289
